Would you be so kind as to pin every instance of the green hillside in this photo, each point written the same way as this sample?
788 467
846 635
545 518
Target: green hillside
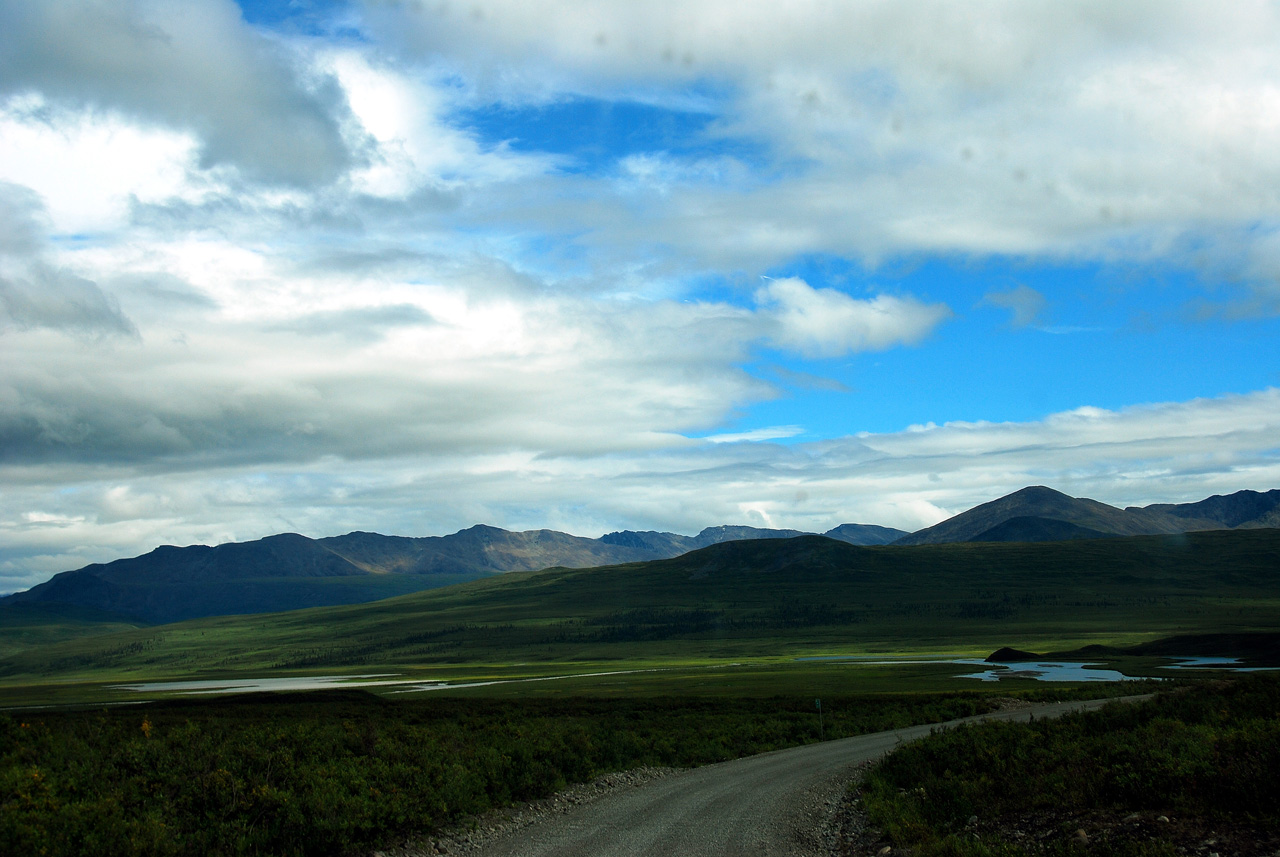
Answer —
28 626
801 596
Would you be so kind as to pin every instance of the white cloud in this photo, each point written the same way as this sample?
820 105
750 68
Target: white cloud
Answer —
404 113
35 292
1080 130
1170 452
829 323
193 67
88 166
756 435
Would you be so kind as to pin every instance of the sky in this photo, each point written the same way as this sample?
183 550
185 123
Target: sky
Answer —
407 266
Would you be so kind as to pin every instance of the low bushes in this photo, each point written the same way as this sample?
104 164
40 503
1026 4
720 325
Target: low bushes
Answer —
1211 752
333 772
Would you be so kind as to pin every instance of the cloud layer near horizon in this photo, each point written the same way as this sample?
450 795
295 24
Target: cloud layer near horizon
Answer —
389 266
908 479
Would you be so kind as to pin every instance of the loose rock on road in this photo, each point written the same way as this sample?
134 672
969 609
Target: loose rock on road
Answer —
769 805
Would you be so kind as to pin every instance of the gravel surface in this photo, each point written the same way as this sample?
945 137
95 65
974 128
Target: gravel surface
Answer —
790 802
472 836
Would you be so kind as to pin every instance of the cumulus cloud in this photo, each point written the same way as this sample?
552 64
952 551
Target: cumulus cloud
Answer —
829 323
20 214
192 66
441 376
1064 130
296 367
404 113
365 324
35 293
62 301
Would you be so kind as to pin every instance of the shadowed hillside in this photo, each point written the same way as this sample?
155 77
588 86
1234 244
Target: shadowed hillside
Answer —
1241 509
1032 529
289 571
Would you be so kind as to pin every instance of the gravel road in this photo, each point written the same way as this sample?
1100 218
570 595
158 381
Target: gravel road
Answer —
779 803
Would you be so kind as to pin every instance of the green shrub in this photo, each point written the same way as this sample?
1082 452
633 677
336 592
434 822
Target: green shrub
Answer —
332 772
1212 751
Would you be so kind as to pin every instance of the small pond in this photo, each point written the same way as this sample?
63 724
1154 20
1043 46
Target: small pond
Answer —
1039 670
1050 671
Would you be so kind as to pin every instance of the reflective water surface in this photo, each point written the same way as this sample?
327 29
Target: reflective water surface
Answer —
1038 670
322 682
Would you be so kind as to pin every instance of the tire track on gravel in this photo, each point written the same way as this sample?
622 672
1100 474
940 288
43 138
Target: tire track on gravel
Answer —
769 805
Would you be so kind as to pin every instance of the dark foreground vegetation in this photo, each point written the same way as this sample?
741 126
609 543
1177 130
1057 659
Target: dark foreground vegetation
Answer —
1196 771
335 772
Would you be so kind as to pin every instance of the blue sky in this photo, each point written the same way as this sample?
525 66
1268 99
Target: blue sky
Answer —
406 267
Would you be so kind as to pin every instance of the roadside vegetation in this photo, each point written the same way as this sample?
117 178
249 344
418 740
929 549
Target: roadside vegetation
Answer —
1196 771
336 772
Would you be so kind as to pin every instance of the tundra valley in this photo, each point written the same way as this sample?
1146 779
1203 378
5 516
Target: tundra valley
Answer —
319 730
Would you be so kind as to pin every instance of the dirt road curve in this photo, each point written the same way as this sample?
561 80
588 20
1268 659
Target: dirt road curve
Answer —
760 806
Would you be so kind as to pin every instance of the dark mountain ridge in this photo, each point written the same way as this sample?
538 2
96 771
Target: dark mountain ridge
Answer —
1038 513
290 571
1243 509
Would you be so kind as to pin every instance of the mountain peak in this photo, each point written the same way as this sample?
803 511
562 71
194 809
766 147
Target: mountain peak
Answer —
1040 513
1035 492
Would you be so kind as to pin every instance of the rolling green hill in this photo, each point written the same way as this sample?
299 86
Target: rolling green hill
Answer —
808 595
27 626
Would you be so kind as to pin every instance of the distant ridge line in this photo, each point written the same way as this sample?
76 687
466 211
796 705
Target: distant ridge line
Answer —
1039 513
289 571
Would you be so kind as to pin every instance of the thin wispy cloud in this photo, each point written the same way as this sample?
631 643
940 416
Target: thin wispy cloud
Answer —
1025 304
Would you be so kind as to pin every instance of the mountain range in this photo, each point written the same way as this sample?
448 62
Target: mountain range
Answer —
1038 514
734 601
290 571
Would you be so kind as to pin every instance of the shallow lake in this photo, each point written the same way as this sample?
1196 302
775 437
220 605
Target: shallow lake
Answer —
1039 670
260 685
328 682
1050 671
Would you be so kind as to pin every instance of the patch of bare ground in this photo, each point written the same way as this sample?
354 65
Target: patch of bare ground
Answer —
472 834
855 836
